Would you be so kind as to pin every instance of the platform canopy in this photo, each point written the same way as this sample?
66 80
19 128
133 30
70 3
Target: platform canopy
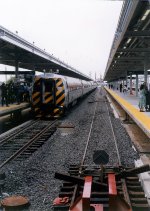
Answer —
130 51
17 52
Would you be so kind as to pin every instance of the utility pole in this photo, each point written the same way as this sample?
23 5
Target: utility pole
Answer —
5 74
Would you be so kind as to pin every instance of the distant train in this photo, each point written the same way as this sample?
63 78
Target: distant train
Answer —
52 93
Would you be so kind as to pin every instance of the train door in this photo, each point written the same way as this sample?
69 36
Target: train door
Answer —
60 92
48 94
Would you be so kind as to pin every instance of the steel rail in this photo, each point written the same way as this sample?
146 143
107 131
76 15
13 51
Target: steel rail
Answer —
114 137
89 135
124 185
18 132
87 143
23 148
83 159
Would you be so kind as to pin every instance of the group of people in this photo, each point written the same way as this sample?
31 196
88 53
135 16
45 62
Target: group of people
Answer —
14 92
144 95
122 88
111 86
144 98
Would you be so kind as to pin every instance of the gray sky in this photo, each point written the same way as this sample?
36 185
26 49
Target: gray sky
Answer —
79 32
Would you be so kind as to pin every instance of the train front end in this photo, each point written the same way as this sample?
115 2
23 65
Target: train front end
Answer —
48 97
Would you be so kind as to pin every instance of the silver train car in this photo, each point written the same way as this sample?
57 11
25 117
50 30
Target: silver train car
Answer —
52 94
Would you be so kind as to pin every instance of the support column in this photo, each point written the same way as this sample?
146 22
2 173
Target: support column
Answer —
123 84
131 93
113 85
145 76
145 70
137 83
116 85
127 80
16 68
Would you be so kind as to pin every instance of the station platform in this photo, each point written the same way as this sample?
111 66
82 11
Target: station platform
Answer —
129 103
13 109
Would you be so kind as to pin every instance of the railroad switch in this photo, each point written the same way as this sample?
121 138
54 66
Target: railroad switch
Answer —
119 189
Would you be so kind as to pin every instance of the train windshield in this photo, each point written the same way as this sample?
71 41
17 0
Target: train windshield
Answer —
37 86
48 91
49 85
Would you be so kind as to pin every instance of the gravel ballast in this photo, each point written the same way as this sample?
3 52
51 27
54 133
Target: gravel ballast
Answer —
34 177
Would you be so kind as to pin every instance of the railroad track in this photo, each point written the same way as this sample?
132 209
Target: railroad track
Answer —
22 143
128 187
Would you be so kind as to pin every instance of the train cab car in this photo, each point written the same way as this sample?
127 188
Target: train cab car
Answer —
48 96
52 93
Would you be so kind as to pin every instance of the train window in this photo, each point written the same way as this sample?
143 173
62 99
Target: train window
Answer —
48 85
37 87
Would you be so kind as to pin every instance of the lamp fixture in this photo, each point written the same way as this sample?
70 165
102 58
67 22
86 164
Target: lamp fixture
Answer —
145 15
128 40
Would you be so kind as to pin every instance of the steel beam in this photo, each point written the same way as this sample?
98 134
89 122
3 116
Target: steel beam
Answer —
140 50
130 67
87 193
130 58
144 33
77 180
16 68
19 72
112 184
125 64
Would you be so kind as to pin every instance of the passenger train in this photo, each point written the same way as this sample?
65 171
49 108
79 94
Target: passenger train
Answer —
52 93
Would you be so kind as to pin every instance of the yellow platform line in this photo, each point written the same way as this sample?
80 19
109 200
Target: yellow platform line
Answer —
140 118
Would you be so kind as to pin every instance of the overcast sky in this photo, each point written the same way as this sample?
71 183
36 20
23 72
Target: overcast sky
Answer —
79 32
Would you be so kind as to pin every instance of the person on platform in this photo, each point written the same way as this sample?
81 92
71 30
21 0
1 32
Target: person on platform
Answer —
147 94
26 93
142 98
17 93
121 87
125 89
11 92
4 93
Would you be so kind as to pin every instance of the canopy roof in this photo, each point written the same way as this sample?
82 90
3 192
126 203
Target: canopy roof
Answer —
130 52
16 51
